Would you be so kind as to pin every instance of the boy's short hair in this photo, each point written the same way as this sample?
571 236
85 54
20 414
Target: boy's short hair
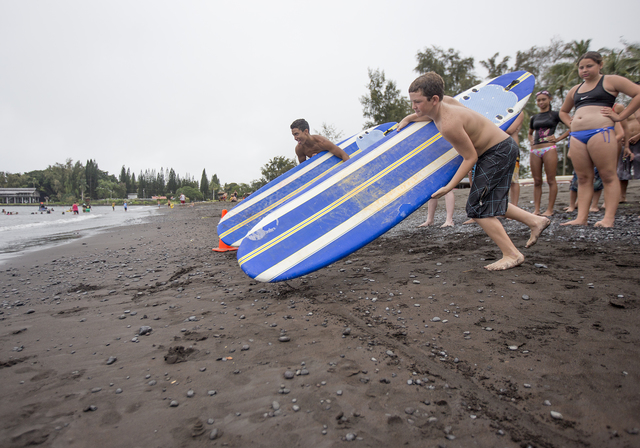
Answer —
429 84
301 124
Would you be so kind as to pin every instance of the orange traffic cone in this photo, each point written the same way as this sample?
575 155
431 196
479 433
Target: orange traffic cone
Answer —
222 246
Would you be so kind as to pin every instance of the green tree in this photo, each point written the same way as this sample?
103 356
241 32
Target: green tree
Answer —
383 103
457 72
172 183
91 177
204 184
214 186
275 167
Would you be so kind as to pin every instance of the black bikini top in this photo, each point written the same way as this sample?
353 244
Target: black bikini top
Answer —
595 97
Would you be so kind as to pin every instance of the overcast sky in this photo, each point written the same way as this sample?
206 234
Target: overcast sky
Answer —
209 84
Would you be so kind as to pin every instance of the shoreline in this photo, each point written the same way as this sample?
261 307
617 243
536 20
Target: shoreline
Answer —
408 341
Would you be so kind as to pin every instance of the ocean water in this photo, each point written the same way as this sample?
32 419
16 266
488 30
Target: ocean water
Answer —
29 230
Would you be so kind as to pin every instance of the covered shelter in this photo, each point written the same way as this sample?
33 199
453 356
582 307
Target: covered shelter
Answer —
19 195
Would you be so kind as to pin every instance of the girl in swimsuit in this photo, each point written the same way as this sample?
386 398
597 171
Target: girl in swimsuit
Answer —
592 142
542 128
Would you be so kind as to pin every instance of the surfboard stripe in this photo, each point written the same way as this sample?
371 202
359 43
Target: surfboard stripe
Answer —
233 227
348 170
342 199
276 204
375 207
253 199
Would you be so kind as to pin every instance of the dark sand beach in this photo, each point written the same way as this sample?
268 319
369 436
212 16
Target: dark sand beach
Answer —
407 342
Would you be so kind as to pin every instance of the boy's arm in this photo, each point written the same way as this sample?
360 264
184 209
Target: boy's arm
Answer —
515 126
461 142
300 153
326 145
633 139
410 119
566 108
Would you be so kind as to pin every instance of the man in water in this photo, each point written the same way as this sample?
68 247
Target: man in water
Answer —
310 145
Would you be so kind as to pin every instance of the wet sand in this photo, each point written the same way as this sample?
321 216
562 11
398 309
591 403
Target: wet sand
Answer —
407 342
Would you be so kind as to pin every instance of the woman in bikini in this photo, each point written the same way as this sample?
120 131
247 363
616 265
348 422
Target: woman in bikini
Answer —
593 141
542 128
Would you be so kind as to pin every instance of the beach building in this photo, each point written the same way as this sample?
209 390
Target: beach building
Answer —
19 195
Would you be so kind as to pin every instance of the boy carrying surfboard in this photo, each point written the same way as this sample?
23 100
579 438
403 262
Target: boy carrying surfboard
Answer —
480 143
310 145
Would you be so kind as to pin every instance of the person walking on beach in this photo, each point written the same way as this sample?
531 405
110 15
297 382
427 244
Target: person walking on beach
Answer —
476 139
592 142
542 128
310 145
629 161
125 206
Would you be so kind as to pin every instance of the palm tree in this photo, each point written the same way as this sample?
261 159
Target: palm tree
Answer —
494 68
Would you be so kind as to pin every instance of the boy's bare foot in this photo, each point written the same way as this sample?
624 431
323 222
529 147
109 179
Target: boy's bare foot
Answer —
426 223
447 224
469 221
537 231
505 263
594 209
574 222
548 213
569 209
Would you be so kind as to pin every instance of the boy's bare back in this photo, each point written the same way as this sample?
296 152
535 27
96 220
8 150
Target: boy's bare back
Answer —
454 119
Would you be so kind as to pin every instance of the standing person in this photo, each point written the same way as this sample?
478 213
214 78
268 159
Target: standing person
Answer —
75 208
476 139
629 160
449 201
542 128
125 206
113 206
310 145
514 132
591 133
183 198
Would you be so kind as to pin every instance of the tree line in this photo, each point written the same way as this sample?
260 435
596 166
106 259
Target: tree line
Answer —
71 181
554 67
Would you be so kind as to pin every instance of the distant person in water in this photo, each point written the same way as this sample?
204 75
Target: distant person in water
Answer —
476 139
125 206
310 145
74 208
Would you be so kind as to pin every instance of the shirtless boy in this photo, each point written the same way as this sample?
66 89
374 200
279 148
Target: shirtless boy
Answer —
476 139
310 145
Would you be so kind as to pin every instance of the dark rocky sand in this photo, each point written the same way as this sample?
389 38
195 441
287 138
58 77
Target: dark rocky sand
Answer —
407 342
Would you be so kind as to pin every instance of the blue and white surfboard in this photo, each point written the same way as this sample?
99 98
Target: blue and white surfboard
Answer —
238 221
370 194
